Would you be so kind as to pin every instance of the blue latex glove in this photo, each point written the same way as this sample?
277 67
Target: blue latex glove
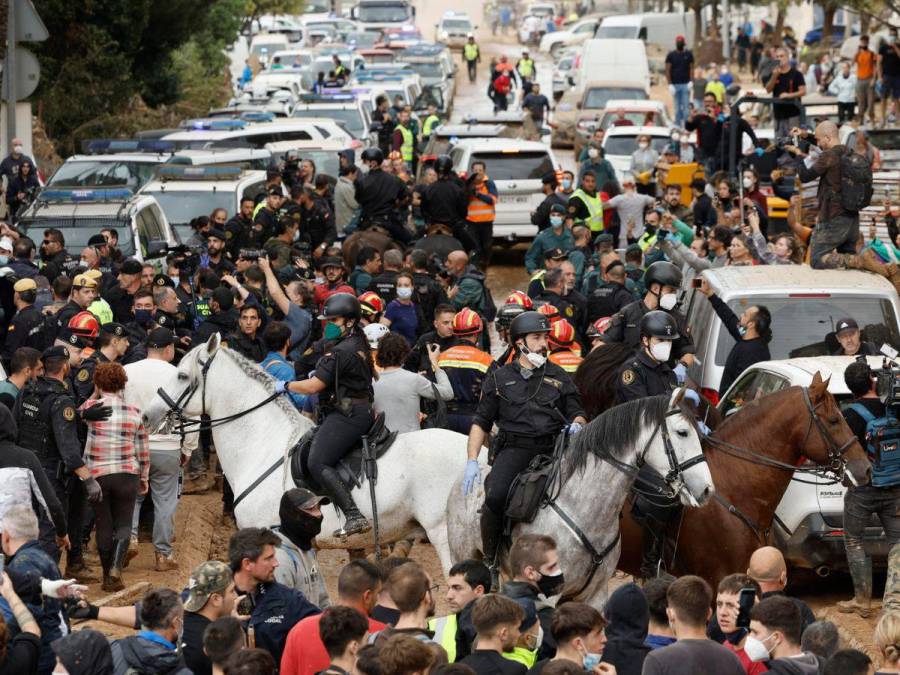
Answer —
574 428
680 371
692 395
471 476
759 152
703 428
280 387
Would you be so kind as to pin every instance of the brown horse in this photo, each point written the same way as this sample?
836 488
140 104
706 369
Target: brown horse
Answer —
787 426
375 237
596 376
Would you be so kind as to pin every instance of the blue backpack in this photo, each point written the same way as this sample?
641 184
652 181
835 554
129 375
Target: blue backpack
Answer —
882 446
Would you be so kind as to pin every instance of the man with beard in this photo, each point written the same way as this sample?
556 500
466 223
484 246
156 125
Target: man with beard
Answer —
215 248
467 581
410 590
301 521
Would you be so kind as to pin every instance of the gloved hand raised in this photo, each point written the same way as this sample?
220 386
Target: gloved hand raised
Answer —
471 476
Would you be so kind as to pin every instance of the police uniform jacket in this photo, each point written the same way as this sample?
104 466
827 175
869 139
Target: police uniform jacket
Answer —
263 227
537 406
625 328
84 379
445 201
276 609
48 426
121 302
607 299
254 349
65 314
377 194
27 330
237 234
641 376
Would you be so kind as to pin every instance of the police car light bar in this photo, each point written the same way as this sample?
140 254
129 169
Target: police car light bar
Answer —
156 146
99 146
206 124
379 77
257 116
190 172
74 195
342 97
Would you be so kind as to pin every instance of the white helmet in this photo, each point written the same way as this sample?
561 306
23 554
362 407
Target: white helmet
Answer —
374 332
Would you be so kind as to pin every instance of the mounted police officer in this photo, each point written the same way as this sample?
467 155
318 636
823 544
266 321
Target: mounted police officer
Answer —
876 427
343 381
531 401
663 282
380 196
47 421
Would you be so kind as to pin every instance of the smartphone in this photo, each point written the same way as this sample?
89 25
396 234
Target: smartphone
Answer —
245 606
746 601
696 282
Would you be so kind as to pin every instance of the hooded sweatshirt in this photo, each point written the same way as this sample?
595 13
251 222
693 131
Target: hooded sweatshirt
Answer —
85 652
146 656
803 664
628 618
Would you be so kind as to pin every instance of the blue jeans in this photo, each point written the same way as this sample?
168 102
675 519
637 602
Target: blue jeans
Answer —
682 103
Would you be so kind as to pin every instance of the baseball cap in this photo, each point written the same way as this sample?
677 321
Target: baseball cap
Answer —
275 190
555 254
845 324
83 281
55 352
301 498
217 233
680 38
113 328
212 576
97 240
159 338
23 285
130 266
330 261
557 208
603 238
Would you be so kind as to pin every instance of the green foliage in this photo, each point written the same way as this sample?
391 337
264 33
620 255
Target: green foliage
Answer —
257 8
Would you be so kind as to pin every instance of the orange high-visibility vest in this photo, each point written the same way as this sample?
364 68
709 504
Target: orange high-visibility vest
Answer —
566 360
479 211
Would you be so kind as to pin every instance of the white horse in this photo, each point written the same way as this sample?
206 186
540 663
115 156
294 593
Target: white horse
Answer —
595 477
414 477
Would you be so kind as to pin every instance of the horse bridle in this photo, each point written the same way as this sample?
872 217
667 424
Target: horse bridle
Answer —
836 461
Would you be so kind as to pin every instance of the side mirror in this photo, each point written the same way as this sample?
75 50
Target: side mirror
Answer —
157 249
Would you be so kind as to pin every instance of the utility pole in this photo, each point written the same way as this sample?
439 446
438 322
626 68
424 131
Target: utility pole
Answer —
726 33
9 69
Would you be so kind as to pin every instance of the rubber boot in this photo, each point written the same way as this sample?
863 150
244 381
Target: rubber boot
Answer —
106 558
649 555
120 550
356 522
491 532
133 549
861 571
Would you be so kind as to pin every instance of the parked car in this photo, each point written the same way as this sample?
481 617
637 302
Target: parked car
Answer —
582 106
838 33
573 35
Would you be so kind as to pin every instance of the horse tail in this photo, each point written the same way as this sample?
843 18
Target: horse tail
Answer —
595 378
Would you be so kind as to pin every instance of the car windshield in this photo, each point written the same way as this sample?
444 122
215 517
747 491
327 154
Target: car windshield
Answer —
267 48
383 13
77 231
326 161
316 6
428 69
636 117
597 97
351 119
514 165
626 145
456 24
804 326
616 32
103 173
182 206
362 39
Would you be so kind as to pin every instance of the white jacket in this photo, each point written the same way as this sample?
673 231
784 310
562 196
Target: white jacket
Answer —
844 88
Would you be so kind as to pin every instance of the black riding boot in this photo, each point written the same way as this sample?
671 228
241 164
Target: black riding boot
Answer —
650 554
491 532
356 523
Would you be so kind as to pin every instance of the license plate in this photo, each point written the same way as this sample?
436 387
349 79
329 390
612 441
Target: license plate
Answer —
518 200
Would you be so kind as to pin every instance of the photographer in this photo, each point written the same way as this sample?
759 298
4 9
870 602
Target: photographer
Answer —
21 189
866 415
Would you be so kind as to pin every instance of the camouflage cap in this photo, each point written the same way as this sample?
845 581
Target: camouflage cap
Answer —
210 577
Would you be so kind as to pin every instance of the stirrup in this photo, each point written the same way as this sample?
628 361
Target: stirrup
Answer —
356 524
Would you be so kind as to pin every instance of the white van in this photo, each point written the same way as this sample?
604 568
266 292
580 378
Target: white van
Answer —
264 45
653 28
614 60
805 305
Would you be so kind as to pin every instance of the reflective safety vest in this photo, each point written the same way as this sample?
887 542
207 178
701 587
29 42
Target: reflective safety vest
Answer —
340 70
470 52
595 209
522 655
479 211
406 150
430 122
444 629
566 359
465 356
101 309
647 240
526 67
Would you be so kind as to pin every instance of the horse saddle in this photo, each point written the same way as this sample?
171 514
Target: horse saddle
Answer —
352 467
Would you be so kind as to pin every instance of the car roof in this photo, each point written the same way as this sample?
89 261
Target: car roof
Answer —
632 130
600 84
198 156
798 280
137 157
501 144
614 104
472 130
172 184
800 371
278 146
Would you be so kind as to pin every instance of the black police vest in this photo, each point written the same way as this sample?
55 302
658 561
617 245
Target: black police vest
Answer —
35 430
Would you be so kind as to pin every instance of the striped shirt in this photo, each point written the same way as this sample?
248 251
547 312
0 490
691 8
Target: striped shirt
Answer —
118 444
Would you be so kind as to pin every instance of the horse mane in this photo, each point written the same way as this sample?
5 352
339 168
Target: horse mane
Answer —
616 430
252 370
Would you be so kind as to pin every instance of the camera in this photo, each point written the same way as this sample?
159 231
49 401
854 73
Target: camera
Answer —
187 258
887 379
252 254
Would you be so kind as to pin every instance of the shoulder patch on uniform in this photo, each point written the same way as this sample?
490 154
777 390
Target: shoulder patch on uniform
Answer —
628 376
553 382
69 413
229 234
83 375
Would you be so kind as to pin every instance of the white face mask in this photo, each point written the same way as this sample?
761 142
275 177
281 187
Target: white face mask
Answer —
756 649
536 359
18 149
593 153
667 301
643 145
661 350
748 183
404 292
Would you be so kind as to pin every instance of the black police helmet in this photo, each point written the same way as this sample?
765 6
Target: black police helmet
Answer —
443 164
507 313
341 304
373 155
663 273
659 324
526 323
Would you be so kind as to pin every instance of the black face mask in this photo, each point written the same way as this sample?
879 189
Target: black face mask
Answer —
551 586
300 527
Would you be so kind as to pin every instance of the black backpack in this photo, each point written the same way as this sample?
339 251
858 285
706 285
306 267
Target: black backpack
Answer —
856 182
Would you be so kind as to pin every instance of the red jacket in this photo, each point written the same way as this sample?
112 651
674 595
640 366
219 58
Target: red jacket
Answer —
502 84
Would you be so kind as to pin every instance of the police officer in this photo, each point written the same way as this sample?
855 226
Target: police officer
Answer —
882 496
381 196
47 420
111 345
466 366
647 373
84 292
431 121
505 316
446 201
612 295
662 281
530 400
343 380
266 218
29 327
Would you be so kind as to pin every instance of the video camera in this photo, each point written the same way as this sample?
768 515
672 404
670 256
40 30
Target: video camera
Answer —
187 258
887 380
251 254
